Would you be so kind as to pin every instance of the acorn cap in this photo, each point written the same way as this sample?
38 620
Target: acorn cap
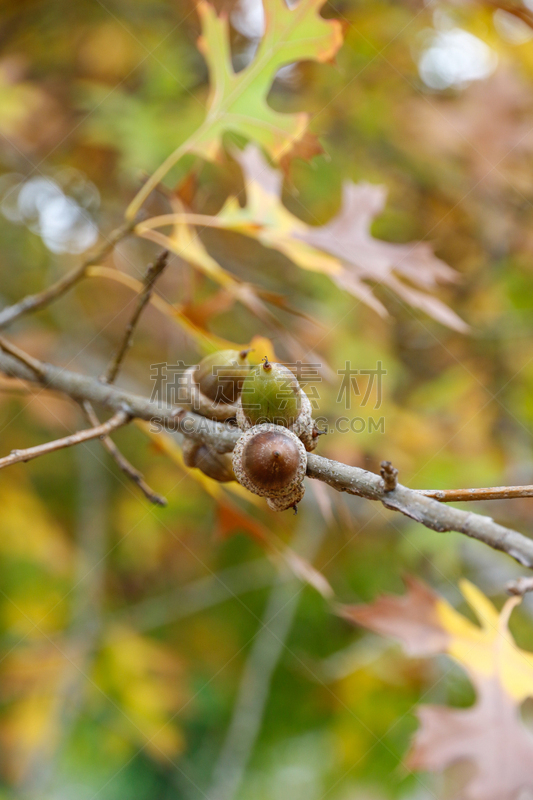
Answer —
287 501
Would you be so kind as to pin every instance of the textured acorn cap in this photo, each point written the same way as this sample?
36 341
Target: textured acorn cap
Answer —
269 460
288 500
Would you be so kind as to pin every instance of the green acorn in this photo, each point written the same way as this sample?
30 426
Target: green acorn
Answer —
270 393
220 376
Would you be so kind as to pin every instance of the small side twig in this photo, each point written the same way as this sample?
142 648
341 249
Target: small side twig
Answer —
116 421
23 357
520 586
152 274
389 475
34 302
489 493
122 462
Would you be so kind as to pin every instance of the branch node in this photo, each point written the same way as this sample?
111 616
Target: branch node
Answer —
389 475
520 586
127 409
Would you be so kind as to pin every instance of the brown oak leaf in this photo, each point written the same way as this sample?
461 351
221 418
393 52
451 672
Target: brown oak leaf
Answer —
490 735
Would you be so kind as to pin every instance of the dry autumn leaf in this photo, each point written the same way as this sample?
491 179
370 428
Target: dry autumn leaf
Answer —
490 735
344 248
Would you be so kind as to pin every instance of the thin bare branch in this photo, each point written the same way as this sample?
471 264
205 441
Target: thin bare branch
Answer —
20 355
123 462
116 421
152 274
490 493
34 302
423 509
342 477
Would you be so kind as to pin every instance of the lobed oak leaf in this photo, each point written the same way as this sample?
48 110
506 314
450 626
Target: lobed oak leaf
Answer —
344 248
490 735
238 100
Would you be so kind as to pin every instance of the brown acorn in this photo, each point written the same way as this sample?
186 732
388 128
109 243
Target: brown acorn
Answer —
270 461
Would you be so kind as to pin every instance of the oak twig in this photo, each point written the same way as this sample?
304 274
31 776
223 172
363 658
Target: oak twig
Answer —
116 421
152 274
342 477
489 493
33 302
123 462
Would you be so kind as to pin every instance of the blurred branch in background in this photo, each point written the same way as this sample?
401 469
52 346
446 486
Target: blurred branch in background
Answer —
80 641
37 301
267 649
154 612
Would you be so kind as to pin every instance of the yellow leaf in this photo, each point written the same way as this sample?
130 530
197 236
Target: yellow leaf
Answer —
201 336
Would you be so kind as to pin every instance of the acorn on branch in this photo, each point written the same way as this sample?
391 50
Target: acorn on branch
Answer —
271 461
213 387
215 465
271 394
